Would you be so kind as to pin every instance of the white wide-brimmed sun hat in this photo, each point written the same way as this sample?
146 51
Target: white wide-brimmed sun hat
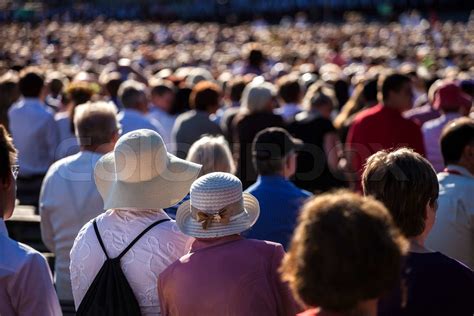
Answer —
217 207
139 173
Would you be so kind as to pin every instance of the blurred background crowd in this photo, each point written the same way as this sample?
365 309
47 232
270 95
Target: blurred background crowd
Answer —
292 106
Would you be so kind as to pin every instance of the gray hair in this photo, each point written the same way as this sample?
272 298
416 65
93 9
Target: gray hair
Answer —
95 123
256 96
131 93
213 154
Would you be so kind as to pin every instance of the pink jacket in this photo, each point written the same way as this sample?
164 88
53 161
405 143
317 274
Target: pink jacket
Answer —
226 276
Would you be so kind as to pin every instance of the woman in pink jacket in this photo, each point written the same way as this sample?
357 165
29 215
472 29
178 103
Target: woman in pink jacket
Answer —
224 273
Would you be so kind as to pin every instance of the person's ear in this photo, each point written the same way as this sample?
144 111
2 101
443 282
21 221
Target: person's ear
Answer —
6 182
468 152
431 207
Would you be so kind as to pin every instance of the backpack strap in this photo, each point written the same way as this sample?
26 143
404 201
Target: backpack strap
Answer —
140 236
100 239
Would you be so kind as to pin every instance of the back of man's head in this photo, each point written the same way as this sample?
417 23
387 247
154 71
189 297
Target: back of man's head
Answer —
270 149
31 82
405 182
95 124
132 94
235 89
79 92
457 142
112 82
392 83
159 87
205 96
289 89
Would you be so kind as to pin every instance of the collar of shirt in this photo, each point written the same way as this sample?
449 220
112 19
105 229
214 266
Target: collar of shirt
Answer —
147 210
3 228
34 102
461 170
155 109
203 243
271 179
132 112
201 113
390 111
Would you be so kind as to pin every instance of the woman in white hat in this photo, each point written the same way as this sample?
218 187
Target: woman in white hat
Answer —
223 274
136 181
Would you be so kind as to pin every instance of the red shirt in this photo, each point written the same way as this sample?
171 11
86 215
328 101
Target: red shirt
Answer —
378 128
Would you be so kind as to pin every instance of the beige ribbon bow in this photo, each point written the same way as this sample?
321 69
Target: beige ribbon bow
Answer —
222 216
205 219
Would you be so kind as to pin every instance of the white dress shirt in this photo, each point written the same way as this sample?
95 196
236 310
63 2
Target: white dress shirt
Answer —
132 120
142 264
35 135
431 136
68 143
69 199
453 231
167 122
288 111
26 285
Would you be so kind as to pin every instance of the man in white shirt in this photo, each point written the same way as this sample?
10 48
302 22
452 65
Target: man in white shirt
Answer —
289 92
136 181
453 231
69 196
34 133
26 286
162 98
452 102
133 97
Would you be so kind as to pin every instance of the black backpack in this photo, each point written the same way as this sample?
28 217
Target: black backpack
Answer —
110 294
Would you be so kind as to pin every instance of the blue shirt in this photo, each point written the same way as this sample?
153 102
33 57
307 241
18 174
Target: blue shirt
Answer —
132 120
35 135
280 201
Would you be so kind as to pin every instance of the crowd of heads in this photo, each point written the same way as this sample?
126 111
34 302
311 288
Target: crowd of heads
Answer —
348 248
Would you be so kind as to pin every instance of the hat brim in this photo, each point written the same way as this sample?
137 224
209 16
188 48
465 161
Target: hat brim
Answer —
163 191
191 227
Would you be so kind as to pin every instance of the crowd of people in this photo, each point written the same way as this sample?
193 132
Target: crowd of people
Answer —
249 170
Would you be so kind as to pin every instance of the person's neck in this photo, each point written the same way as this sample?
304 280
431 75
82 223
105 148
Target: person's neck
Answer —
394 107
139 110
160 107
102 149
417 244
464 163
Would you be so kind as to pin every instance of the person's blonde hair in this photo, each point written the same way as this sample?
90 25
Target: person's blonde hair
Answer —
213 154
95 123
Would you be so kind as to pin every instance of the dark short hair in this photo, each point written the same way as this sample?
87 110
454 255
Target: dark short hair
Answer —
323 274
160 87
405 182
270 149
392 83
204 95
7 153
130 93
289 89
112 83
255 57
31 82
56 86
236 88
455 137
